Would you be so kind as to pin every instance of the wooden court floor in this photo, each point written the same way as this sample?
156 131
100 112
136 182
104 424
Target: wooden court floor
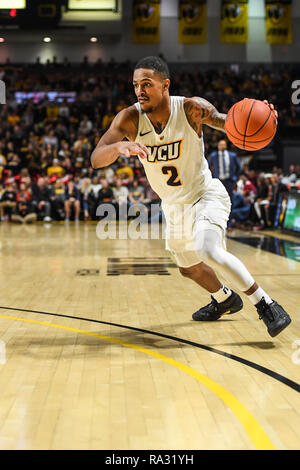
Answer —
98 349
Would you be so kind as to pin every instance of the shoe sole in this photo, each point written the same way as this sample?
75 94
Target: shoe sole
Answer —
280 329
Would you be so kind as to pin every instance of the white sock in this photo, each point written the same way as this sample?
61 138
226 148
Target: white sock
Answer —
258 295
222 294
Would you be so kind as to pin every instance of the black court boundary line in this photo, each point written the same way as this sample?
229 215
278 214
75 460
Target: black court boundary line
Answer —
290 383
250 234
236 239
276 275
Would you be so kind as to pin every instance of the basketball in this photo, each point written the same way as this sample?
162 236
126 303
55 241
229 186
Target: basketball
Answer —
250 124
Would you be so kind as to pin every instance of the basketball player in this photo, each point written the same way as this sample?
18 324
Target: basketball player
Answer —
165 132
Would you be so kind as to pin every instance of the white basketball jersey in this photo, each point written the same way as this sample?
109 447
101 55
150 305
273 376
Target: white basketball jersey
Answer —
177 169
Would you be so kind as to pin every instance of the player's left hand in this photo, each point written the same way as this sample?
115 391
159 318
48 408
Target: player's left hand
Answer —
271 106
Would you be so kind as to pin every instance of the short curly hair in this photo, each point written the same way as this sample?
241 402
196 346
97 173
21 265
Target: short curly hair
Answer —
154 63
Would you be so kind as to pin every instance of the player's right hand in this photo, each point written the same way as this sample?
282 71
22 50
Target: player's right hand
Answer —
133 148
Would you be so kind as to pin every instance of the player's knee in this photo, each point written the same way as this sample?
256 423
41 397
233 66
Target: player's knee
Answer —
216 254
206 251
209 247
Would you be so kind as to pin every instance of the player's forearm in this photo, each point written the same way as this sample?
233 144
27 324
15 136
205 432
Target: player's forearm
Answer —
105 155
199 111
211 116
217 121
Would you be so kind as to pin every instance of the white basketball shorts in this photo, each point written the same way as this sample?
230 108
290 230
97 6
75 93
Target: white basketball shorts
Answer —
186 222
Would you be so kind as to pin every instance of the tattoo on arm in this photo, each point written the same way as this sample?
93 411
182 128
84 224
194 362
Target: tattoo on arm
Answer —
199 111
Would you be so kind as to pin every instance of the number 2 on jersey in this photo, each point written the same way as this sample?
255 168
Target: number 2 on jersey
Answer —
172 181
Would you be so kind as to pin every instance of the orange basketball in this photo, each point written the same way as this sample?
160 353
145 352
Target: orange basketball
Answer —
250 124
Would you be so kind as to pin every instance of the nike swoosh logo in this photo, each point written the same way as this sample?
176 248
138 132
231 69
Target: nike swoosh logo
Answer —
144 133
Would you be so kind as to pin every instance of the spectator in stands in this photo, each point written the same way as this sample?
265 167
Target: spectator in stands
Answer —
125 172
23 194
106 194
292 175
8 202
278 190
120 196
32 153
107 119
109 174
51 139
93 196
261 201
8 177
226 166
52 111
18 134
58 197
64 151
13 117
81 144
252 177
241 205
121 105
85 125
246 187
61 131
79 158
64 110
150 195
25 177
23 212
85 190
136 193
72 200
14 164
51 152
55 169
67 165
10 149
136 197
2 164
137 168
41 199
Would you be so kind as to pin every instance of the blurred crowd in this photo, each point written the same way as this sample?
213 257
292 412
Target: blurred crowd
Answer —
259 199
46 141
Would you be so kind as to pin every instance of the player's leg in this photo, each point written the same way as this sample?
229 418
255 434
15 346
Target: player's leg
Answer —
30 218
180 241
224 301
77 209
67 209
17 218
209 242
203 275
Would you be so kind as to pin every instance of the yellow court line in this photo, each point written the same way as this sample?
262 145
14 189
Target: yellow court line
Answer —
251 426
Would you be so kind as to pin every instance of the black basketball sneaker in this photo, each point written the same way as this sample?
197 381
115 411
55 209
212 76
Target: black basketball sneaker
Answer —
273 315
216 310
